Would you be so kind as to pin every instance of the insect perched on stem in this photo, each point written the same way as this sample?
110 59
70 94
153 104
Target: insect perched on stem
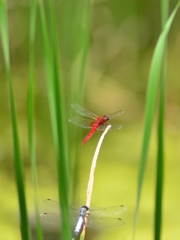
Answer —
98 122
97 218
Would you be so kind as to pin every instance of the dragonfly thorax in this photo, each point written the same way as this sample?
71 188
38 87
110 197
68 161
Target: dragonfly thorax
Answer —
100 121
83 211
105 118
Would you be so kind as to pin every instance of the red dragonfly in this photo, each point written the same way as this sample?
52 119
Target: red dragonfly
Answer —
98 123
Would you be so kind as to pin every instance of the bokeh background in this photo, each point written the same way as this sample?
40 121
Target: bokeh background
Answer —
122 39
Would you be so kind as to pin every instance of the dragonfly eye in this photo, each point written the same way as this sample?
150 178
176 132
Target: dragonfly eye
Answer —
106 118
85 207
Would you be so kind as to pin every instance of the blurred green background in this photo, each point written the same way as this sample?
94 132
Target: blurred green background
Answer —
121 43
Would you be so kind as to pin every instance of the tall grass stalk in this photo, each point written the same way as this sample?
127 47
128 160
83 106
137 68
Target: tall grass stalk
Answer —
154 75
61 120
17 153
81 24
160 153
33 10
57 110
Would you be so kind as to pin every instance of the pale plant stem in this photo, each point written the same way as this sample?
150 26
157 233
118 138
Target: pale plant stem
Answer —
91 176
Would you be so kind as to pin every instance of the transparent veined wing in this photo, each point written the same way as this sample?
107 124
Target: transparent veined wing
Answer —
114 126
98 218
104 222
109 217
114 211
80 122
94 222
116 114
82 111
54 217
54 206
51 218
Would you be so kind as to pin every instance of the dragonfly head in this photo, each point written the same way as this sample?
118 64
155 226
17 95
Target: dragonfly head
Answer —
83 210
85 207
105 118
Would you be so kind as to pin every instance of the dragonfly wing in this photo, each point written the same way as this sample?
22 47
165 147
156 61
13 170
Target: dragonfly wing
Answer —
114 126
99 218
82 111
114 211
54 217
104 222
109 217
53 205
116 114
80 122
102 127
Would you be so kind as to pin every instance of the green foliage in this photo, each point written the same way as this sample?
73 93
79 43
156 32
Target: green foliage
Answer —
17 152
154 75
31 115
68 32
160 151
57 113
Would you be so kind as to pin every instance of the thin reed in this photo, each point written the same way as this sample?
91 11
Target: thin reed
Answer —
157 72
57 110
31 115
160 135
18 165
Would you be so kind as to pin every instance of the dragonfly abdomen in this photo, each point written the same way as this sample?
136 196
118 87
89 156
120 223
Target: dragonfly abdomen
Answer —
81 220
79 226
93 130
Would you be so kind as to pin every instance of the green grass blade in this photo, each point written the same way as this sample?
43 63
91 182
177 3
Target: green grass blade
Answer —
150 103
160 158
61 120
4 35
82 24
57 112
17 154
164 11
84 41
160 152
33 10
49 68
